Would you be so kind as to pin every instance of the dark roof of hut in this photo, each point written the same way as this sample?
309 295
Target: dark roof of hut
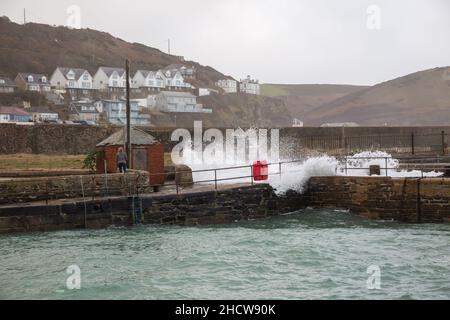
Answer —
138 137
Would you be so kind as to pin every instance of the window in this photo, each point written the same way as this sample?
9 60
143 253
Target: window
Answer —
30 79
2 81
70 75
44 79
85 76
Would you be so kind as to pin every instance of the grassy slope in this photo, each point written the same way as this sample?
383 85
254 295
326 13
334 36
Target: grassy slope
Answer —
421 98
301 98
41 48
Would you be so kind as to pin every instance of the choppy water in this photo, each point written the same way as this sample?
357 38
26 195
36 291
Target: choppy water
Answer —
310 254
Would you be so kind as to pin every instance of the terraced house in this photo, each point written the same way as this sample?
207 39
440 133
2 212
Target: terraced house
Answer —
149 80
110 79
71 79
7 85
33 82
13 114
115 111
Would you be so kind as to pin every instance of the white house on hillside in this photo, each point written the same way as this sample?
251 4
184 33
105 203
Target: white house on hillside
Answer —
71 78
186 71
174 79
228 85
153 80
108 78
171 101
249 85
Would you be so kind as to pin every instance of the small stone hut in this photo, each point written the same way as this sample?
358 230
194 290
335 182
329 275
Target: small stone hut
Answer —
146 154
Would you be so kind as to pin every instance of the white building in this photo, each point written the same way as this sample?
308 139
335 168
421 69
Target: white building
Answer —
186 71
174 79
340 124
249 85
154 80
151 101
171 101
228 85
42 114
108 78
297 123
71 78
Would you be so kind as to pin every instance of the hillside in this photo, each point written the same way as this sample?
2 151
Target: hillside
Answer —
421 98
40 48
301 98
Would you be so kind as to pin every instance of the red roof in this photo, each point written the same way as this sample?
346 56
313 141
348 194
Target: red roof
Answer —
13 110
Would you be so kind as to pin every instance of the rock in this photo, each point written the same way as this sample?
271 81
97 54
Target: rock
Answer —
183 175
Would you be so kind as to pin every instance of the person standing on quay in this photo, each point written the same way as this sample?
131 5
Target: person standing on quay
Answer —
121 160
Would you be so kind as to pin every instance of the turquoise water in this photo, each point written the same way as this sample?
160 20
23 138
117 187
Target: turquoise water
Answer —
311 254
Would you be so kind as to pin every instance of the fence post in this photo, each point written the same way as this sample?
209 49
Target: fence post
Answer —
345 165
443 141
345 146
279 168
251 173
385 165
106 178
215 179
412 142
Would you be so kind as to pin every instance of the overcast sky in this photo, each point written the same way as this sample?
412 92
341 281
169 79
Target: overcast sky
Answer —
275 41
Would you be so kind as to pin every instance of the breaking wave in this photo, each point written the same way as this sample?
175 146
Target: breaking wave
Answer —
295 174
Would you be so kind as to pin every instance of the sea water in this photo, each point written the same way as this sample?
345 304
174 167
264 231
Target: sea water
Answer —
309 254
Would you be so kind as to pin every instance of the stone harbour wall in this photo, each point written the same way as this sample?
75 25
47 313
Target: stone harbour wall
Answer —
196 208
415 200
412 200
20 190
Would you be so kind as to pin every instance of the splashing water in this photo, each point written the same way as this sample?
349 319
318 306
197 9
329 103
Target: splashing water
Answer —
295 175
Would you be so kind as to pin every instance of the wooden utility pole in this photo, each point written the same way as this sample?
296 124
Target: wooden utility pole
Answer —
128 143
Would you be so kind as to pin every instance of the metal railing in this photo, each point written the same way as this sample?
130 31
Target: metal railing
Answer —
408 143
89 187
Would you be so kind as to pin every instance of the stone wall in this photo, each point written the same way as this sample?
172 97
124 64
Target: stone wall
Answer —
51 138
20 190
413 200
226 206
78 139
416 200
